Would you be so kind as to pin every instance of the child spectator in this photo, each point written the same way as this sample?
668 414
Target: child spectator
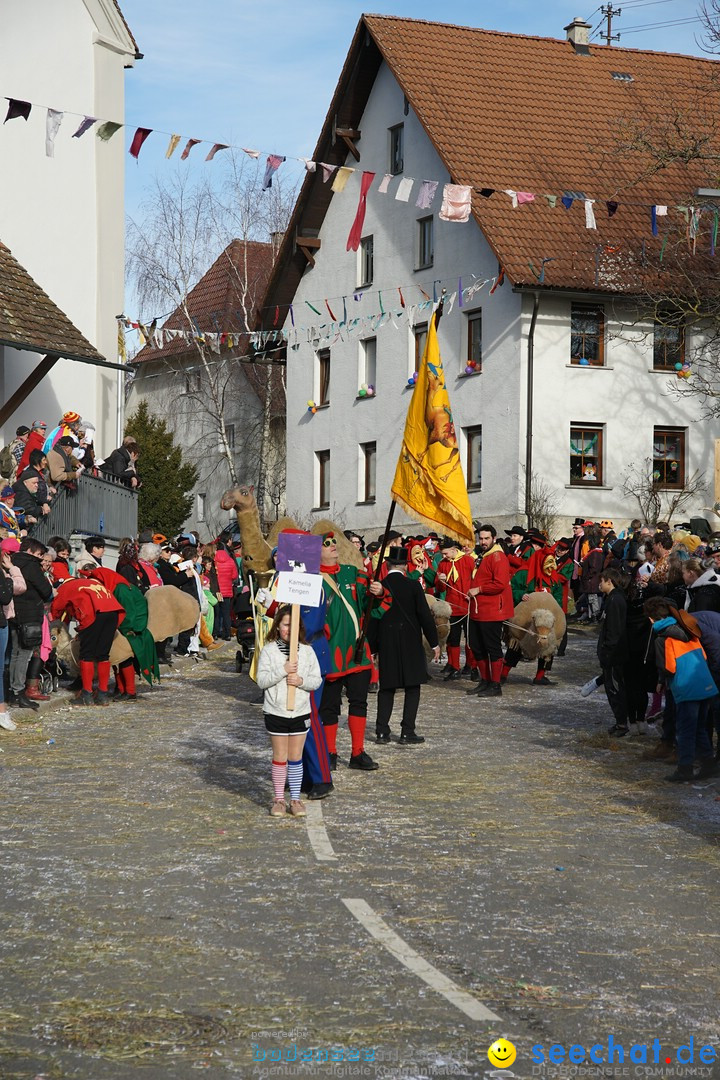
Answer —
287 729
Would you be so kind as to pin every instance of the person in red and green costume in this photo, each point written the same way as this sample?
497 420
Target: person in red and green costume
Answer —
539 573
346 591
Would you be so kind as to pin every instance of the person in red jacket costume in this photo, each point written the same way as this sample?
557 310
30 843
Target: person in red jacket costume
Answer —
98 615
36 440
491 602
227 575
452 581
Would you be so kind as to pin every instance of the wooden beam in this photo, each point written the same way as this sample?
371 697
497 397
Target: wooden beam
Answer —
26 388
308 244
308 254
348 136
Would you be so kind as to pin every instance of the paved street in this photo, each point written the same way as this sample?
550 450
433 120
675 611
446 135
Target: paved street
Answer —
520 865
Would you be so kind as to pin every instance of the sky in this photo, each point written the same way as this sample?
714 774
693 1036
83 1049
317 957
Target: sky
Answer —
261 73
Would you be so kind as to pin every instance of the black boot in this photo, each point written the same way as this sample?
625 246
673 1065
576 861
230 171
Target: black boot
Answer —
709 766
24 702
682 775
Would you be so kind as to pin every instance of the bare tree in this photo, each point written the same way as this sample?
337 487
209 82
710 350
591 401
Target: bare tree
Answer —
542 506
654 502
224 394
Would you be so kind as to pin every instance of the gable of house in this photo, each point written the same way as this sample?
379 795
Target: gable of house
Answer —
508 112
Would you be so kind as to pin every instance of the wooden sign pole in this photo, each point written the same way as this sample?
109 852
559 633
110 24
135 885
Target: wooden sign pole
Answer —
294 635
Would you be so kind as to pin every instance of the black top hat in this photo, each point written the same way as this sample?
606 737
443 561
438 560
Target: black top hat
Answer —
579 521
536 537
515 529
397 556
564 542
448 542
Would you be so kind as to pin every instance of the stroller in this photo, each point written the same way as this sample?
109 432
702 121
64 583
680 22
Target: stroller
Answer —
242 617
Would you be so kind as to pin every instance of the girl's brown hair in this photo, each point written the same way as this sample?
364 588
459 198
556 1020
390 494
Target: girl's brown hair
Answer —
280 614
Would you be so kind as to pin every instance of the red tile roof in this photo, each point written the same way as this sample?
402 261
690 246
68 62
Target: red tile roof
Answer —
30 320
224 300
531 114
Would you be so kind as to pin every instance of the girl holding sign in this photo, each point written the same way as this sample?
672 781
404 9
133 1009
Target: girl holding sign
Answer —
287 728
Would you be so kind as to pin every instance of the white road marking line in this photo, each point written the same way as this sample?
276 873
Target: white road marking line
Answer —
317 834
414 962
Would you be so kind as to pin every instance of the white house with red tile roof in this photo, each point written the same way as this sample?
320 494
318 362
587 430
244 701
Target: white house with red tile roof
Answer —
569 378
62 217
199 368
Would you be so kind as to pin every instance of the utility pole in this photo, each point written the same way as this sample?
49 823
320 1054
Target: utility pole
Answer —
608 11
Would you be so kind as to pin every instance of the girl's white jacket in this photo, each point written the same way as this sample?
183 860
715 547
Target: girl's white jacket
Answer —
272 678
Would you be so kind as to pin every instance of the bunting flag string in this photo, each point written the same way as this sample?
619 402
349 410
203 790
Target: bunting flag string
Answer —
318 332
456 199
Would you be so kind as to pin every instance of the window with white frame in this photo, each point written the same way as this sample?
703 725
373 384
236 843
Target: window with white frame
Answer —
192 382
201 499
322 377
365 261
230 435
420 333
322 458
367 372
368 461
396 144
473 355
425 252
473 459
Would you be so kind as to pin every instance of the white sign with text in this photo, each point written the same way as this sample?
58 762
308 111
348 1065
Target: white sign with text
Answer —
295 588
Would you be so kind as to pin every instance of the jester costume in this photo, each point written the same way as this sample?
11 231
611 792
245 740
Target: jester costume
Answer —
135 628
346 592
538 573
458 571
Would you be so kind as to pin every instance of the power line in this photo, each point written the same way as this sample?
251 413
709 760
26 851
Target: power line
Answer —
645 3
659 25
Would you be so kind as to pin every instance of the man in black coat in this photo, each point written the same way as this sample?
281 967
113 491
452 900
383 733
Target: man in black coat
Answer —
25 628
398 643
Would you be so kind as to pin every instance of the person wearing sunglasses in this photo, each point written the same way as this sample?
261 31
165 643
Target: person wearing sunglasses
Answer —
347 592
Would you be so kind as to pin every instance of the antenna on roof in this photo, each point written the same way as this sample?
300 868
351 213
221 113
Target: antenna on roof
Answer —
608 11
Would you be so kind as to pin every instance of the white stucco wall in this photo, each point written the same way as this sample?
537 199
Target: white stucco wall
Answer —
625 396
460 250
63 217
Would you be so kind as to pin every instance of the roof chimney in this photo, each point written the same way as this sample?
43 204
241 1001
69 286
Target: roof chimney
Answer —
578 34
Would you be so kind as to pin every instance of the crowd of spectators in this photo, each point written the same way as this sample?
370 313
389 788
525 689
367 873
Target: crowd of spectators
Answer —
36 587
38 462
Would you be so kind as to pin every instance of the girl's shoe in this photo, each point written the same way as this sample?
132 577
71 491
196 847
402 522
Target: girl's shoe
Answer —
590 687
278 808
297 809
7 722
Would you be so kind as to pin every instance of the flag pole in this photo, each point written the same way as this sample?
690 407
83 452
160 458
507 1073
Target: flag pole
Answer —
360 644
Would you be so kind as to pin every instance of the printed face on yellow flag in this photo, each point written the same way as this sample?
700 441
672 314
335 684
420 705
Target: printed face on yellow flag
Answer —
429 482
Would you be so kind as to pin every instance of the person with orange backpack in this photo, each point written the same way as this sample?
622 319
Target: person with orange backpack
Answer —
682 667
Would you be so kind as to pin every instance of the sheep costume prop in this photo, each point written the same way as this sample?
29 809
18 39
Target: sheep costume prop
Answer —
170 611
535 632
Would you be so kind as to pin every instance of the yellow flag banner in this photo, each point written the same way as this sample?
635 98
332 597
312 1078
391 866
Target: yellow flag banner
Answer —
429 483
